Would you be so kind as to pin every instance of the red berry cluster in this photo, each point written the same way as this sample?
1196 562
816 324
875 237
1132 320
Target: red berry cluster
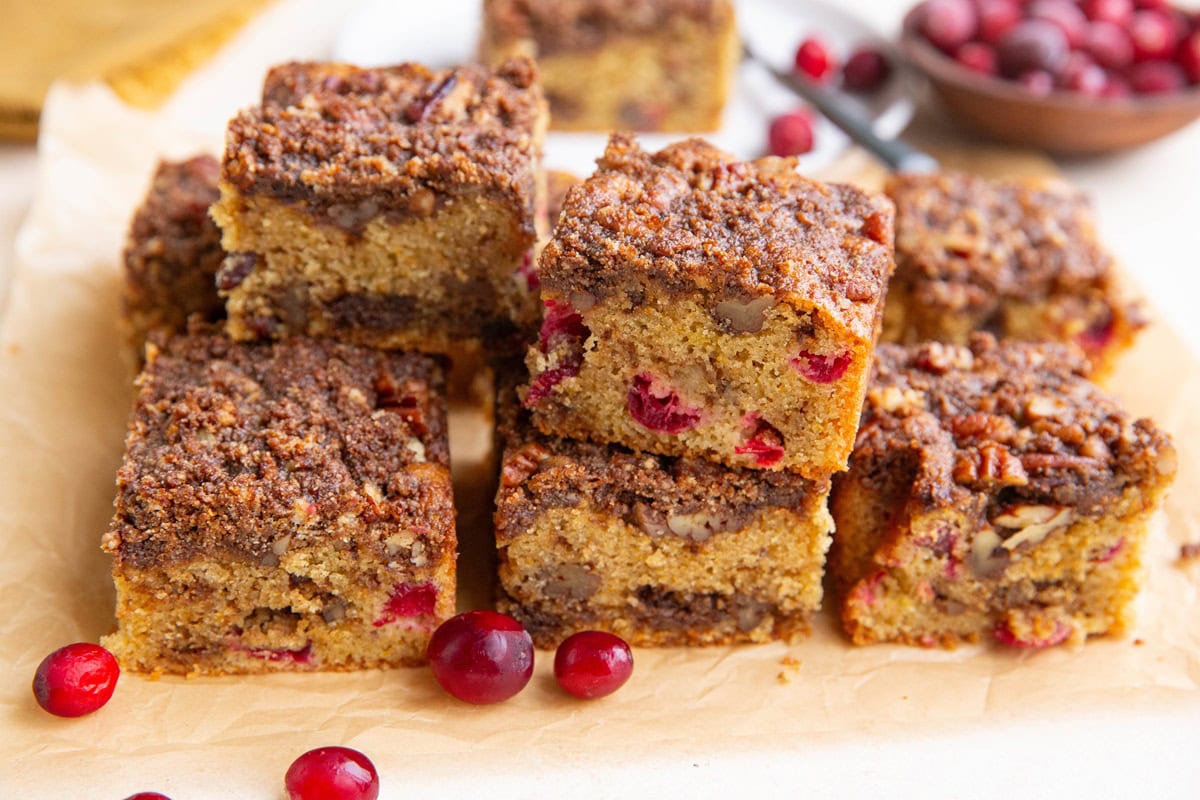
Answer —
864 70
1097 48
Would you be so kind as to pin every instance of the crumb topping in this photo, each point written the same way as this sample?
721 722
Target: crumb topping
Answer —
1013 422
691 217
239 448
965 242
334 134
174 250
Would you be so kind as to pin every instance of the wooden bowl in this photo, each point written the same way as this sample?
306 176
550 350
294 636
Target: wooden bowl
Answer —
1061 122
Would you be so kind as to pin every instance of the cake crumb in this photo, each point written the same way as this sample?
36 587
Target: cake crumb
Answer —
1138 642
791 665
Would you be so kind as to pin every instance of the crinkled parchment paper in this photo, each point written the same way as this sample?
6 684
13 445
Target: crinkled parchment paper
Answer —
704 720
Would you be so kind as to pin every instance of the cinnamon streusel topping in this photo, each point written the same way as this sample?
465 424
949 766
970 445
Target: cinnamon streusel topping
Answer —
692 217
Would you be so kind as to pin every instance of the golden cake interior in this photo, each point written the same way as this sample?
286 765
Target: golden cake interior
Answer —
428 279
674 79
734 381
322 607
580 568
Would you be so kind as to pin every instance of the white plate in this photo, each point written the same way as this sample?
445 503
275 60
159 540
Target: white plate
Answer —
446 32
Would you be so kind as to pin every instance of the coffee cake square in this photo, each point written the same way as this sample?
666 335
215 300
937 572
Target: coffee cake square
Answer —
282 506
993 493
1016 258
390 207
697 305
656 549
645 65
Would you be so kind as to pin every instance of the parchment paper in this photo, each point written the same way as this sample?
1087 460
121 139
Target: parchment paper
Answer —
705 719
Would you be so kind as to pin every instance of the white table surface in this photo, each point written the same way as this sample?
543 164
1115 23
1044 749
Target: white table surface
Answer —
1148 201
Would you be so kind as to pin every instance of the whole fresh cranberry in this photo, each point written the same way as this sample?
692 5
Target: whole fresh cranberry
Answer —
790 134
332 773
815 59
481 657
1116 87
76 679
1109 45
978 57
996 18
1034 44
1189 57
1083 76
148 796
1117 12
1157 77
1037 82
866 70
593 664
948 24
1065 14
1154 35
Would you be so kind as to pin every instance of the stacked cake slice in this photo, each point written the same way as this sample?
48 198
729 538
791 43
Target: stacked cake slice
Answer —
706 340
285 499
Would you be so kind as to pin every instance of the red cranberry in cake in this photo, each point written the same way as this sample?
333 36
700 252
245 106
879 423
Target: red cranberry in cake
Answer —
821 369
706 290
409 603
765 443
658 407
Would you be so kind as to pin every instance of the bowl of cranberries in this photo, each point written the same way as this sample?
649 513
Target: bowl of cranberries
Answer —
1069 76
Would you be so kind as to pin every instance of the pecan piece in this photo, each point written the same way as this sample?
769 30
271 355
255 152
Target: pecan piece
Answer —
522 464
982 427
990 464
